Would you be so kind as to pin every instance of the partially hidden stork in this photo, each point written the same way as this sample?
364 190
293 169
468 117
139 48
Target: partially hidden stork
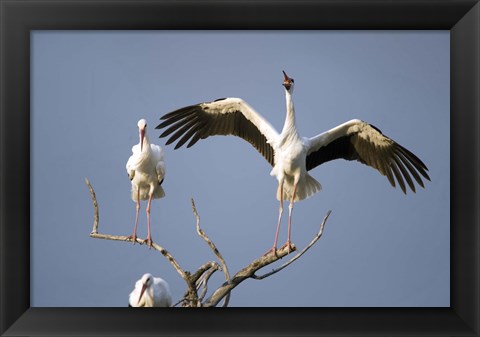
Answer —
291 155
150 291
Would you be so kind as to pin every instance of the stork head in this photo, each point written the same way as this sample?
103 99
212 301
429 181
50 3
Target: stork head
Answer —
142 129
288 82
147 281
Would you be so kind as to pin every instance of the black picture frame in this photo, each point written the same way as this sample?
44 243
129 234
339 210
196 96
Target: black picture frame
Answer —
19 17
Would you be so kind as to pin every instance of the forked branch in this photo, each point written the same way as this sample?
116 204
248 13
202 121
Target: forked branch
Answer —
214 249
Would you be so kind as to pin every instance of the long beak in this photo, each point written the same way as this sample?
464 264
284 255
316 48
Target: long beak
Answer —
287 82
144 286
142 135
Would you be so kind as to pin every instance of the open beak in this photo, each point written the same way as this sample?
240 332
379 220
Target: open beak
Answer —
142 135
287 82
144 286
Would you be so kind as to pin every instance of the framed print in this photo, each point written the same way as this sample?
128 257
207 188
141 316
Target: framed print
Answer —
76 78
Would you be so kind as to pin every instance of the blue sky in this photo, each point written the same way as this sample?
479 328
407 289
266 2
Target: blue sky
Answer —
380 247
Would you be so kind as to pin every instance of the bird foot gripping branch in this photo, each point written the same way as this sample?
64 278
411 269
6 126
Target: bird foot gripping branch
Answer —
282 251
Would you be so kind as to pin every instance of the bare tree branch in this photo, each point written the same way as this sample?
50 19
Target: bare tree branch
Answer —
246 273
249 271
95 206
214 249
178 302
96 235
199 280
203 281
191 296
212 265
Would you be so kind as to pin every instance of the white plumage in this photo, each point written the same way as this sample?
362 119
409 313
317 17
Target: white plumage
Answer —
291 155
150 291
146 170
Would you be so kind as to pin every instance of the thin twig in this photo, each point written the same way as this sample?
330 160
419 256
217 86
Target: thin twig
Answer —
95 206
315 239
204 281
177 303
214 249
200 271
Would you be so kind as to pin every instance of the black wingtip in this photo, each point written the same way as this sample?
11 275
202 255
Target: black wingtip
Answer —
162 125
169 141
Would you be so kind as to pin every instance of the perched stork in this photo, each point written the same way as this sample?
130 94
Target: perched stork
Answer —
146 170
150 291
291 155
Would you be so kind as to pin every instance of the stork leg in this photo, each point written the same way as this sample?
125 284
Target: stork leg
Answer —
149 237
280 211
290 211
134 235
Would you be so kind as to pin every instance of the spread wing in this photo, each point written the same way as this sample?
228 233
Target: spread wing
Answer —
226 116
358 140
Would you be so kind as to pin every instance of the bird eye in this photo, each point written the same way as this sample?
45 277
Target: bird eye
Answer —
292 80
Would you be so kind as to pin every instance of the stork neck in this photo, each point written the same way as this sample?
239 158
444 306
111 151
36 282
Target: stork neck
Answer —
289 125
146 143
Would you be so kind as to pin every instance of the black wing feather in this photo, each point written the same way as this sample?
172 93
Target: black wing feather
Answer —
338 148
196 122
389 158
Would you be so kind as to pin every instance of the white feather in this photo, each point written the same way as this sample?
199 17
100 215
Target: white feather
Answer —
156 294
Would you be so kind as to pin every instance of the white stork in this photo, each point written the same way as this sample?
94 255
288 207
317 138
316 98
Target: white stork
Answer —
291 155
146 170
150 291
